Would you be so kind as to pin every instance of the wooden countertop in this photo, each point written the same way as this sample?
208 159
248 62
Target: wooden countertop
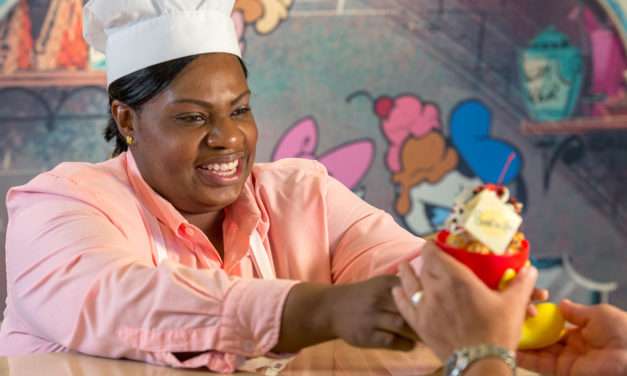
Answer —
332 358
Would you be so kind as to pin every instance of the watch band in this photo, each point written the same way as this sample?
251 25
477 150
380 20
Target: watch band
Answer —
461 359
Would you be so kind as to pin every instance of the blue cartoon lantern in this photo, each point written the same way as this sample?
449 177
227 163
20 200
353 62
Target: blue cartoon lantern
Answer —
551 75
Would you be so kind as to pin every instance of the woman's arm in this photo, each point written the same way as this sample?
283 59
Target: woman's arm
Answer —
75 279
83 285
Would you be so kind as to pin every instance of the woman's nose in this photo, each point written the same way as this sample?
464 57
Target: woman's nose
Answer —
225 134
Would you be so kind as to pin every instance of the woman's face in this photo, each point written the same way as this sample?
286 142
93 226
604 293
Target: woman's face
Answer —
195 141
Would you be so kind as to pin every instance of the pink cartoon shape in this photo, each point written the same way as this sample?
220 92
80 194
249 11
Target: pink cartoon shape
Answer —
348 163
401 118
300 141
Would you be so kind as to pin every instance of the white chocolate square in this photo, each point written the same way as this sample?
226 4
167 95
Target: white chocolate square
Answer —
491 221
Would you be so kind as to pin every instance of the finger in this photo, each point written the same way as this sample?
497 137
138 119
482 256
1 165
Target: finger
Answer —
387 340
440 265
519 290
403 344
539 295
541 361
395 324
405 307
532 311
409 280
575 313
385 301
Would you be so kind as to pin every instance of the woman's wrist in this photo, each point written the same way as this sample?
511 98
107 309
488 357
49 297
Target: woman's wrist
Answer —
306 319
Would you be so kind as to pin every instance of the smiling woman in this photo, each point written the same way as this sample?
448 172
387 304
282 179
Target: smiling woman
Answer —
180 250
193 125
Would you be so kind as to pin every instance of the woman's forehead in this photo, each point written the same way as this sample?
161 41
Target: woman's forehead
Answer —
210 77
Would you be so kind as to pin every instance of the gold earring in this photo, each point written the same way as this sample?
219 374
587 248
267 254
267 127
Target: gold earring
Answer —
130 140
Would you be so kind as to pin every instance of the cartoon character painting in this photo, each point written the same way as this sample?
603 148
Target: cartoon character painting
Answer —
16 41
264 15
348 162
59 45
430 169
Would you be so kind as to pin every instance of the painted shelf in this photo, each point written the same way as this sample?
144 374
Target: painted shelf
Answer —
54 78
576 125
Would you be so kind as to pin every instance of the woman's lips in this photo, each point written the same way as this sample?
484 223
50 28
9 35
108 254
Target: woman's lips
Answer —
221 173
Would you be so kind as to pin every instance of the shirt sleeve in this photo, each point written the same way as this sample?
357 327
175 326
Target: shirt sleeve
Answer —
76 282
364 241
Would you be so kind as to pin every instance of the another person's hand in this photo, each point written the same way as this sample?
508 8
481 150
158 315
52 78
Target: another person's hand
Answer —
596 346
457 309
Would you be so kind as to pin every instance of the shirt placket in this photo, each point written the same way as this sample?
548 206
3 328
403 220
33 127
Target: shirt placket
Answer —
199 245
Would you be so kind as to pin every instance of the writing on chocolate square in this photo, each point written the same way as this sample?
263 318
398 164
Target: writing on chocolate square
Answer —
491 221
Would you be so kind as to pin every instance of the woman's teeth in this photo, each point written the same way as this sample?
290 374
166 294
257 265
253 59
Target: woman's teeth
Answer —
222 169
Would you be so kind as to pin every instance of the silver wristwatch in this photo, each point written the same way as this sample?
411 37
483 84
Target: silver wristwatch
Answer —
461 359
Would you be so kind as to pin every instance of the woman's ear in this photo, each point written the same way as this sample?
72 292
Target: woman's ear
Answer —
124 117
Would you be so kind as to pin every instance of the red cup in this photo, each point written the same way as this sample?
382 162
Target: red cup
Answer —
489 268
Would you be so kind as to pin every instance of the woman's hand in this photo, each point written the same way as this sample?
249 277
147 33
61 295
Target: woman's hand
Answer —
363 314
457 309
596 346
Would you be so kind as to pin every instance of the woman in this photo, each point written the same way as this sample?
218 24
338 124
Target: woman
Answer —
457 311
180 250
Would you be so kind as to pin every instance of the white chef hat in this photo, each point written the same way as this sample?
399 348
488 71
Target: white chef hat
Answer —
139 33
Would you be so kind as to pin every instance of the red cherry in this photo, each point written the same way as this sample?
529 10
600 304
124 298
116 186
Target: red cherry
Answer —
383 106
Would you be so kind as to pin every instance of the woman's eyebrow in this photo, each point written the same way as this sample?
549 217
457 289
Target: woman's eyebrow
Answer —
241 96
200 102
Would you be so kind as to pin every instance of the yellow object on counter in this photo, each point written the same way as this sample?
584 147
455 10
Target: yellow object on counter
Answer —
543 330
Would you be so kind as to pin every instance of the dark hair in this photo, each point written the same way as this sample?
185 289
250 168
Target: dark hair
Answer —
139 87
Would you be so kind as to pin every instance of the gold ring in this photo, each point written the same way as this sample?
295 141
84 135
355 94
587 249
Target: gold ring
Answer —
415 299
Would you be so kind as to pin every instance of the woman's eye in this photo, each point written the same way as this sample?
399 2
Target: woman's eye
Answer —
192 118
241 111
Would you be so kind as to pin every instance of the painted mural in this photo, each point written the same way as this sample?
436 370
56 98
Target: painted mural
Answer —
429 167
264 16
348 163
405 106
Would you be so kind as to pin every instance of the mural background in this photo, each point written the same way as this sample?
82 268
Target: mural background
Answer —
404 101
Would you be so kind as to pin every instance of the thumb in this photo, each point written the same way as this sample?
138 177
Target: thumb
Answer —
521 286
574 313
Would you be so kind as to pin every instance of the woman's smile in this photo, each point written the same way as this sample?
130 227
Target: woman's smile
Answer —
221 171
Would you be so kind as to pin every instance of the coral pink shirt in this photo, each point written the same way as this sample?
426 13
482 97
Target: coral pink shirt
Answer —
83 272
